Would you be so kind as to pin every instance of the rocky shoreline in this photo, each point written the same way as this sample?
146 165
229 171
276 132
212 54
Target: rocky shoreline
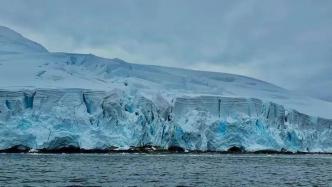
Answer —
148 150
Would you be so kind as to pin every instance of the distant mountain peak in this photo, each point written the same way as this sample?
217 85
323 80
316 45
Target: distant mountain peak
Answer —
13 42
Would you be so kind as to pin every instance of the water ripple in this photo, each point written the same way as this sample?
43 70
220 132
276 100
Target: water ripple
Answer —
164 170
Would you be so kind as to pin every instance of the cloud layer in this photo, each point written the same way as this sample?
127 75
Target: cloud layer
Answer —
288 43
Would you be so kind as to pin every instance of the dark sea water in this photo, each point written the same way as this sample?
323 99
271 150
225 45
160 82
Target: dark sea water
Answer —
164 170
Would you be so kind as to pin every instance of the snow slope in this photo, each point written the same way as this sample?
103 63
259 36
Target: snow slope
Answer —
12 42
60 99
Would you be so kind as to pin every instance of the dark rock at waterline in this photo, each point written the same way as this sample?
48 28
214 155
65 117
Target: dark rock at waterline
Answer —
236 149
68 149
73 149
285 151
147 148
16 149
270 151
267 151
175 149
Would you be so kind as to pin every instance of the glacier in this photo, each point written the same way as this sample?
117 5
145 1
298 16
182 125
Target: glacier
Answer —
53 119
50 101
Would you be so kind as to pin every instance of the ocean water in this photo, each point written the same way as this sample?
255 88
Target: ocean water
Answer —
164 170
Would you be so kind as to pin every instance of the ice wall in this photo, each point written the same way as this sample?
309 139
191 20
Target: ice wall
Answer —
56 118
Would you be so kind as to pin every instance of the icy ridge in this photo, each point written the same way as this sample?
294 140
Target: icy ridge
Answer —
12 42
88 119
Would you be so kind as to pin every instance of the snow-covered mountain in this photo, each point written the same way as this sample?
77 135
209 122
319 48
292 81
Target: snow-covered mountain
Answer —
54 100
13 42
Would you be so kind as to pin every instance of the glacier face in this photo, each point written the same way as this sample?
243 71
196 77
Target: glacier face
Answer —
89 119
56 100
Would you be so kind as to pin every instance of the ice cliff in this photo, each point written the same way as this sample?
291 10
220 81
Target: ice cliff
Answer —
52 119
50 101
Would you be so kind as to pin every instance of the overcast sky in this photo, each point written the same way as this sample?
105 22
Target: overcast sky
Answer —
288 43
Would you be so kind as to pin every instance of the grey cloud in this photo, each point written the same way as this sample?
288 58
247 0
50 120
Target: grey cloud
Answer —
285 42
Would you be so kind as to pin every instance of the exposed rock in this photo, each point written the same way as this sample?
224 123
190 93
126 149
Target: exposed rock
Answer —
236 149
16 149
